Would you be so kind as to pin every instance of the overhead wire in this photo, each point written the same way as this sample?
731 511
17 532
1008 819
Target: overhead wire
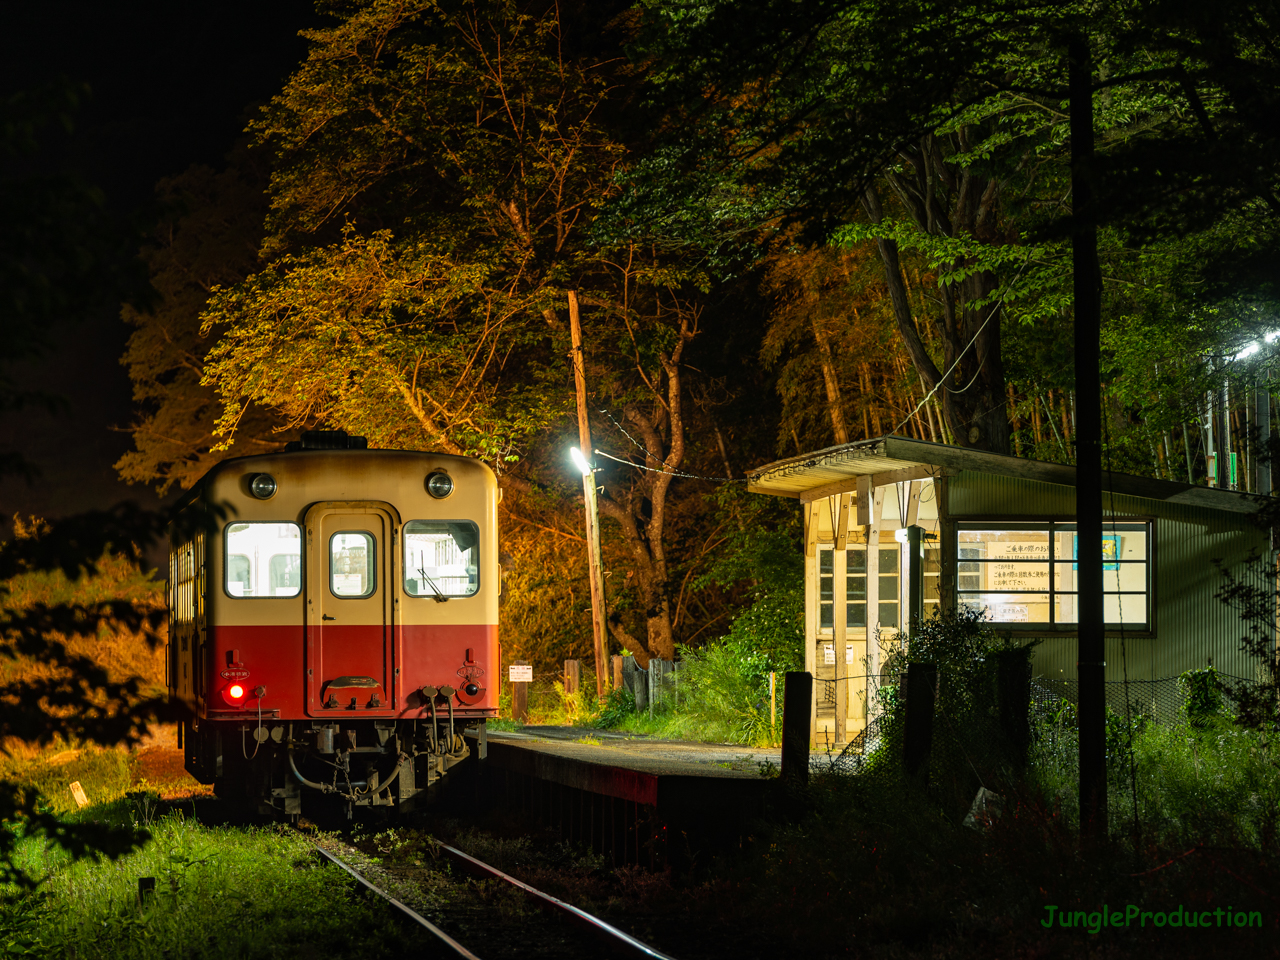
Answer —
640 466
943 379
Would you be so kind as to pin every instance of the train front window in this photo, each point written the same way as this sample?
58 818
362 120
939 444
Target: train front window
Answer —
441 558
351 564
263 559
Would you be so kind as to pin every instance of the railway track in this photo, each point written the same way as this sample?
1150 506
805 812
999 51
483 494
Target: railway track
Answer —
603 937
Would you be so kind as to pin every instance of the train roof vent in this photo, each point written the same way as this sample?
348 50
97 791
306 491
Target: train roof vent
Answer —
327 440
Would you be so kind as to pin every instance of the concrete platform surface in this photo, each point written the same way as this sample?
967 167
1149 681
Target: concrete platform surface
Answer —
662 758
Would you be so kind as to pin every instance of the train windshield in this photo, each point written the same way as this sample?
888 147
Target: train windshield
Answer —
441 558
263 560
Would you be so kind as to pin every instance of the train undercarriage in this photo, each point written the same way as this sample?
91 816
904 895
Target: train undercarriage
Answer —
280 766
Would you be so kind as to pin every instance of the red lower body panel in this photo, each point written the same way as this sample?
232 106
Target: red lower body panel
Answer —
276 657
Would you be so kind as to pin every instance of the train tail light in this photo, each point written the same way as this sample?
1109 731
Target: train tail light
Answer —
234 693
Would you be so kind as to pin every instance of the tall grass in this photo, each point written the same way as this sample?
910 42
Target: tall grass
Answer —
219 893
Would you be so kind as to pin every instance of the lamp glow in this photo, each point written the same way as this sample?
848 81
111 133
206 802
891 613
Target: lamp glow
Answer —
900 535
580 461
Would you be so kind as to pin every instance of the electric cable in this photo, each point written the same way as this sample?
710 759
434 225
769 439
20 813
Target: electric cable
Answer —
943 379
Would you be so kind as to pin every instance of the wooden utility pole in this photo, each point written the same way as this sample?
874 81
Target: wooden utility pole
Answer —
1087 282
595 572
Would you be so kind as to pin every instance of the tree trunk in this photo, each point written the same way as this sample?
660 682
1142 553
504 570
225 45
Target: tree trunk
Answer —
642 511
973 396
838 426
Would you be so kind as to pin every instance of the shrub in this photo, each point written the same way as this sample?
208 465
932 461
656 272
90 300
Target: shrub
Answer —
1203 699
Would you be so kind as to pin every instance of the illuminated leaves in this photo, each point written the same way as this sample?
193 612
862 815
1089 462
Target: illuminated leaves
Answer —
399 342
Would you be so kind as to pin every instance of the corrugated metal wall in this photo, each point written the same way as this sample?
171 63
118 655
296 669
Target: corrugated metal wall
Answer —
1191 625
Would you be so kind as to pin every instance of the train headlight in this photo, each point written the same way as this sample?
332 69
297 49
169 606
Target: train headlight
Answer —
439 485
263 486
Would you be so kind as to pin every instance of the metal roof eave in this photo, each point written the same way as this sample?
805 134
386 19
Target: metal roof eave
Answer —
795 476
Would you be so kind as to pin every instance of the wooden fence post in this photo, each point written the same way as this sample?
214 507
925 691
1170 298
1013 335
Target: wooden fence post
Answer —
922 680
572 683
519 694
797 697
1013 685
617 671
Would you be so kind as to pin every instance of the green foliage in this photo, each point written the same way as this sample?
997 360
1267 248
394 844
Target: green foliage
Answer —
760 558
722 697
1250 590
724 685
411 360
418 308
220 892
1202 691
207 237
618 706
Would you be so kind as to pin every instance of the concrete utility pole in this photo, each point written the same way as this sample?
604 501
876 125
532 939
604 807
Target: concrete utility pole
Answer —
1087 281
583 462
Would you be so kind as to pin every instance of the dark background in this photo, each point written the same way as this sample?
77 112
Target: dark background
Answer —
171 84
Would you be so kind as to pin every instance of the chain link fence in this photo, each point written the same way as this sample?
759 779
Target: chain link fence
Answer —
971 744
1158 701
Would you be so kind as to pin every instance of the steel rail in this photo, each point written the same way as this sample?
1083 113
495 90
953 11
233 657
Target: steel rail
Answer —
444 938
623 941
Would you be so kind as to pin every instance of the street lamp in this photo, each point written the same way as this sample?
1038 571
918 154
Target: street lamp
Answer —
593 562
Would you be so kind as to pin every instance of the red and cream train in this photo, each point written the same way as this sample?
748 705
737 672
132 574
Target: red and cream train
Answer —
333 620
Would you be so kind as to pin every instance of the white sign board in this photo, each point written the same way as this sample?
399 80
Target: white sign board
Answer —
829 652
520 672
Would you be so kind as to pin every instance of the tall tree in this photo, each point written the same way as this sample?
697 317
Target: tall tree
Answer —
942 129
436 167
207 237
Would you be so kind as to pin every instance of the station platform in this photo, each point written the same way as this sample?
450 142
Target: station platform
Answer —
634 799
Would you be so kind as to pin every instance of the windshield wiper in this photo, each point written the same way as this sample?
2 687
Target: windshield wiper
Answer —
439 594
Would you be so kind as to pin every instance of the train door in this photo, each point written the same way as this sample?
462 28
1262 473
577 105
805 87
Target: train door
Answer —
350 609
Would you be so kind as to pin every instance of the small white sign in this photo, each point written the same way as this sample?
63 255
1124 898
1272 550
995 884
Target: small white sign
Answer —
848 653
829 653
520 672
77 791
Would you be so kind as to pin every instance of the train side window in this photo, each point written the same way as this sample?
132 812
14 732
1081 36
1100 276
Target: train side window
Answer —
441 558
351 557
263 559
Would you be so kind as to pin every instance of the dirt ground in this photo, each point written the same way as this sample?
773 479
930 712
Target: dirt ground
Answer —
160 768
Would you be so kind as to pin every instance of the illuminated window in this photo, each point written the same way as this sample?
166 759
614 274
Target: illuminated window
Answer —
1026 573
826 586
855 587
263 560
441 558
351 564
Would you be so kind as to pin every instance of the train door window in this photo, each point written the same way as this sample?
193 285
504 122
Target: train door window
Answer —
263 559
442 558
351 564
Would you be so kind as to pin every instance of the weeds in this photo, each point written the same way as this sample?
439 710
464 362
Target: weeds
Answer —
220 893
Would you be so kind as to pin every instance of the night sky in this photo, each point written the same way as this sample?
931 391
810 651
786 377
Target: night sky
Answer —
171 86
